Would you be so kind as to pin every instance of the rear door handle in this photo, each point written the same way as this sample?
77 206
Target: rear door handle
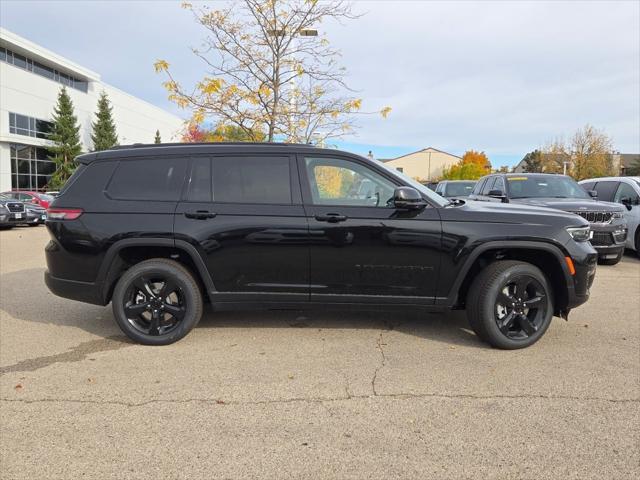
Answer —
200 214
331 218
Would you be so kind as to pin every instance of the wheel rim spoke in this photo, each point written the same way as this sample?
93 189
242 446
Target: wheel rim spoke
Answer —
176 311
521 287
168 287
135 310
143 284
527 326
535 302
506 322
504 299
154 325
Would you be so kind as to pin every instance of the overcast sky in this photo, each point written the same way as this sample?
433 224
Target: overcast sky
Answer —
504 77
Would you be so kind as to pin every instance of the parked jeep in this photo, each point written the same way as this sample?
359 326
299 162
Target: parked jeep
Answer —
625 191
155 229
609 228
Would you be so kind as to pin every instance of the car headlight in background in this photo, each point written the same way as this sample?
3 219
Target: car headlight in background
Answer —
580 234
617 215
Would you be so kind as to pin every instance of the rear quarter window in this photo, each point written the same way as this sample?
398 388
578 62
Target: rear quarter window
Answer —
158 179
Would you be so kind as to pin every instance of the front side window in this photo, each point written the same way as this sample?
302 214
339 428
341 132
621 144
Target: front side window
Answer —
258 180
488 186
342 182
158 179
627 193
606 190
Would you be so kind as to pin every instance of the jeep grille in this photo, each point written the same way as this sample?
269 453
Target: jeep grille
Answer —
596 217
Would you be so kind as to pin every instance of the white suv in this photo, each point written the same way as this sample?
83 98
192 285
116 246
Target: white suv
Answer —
624 190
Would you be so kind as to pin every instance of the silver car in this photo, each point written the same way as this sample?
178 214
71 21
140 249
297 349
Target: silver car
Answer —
623 190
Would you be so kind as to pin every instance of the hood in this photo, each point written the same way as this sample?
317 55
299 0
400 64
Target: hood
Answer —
510 213
570 204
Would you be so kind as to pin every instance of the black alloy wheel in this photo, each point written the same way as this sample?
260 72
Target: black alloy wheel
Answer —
154 304
521 307
510 304
157 302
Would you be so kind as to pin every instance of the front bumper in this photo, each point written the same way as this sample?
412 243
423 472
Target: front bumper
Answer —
10 218
585 261
608 240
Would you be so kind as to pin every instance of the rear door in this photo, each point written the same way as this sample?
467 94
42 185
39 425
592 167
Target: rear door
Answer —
243 213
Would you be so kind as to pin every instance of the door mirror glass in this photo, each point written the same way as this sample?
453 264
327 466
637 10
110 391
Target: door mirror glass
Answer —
593 193
408 198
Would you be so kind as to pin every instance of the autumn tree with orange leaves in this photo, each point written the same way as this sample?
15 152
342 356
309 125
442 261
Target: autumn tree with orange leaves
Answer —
270 72
472 166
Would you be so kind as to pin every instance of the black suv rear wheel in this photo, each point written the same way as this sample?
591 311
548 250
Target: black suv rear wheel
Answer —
157 302
510 304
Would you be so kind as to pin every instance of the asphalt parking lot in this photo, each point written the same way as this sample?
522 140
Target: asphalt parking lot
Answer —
313 395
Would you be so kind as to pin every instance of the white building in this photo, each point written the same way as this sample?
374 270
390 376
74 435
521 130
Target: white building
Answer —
30 80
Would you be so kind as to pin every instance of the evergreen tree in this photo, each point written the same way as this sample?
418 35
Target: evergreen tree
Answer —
157 139
104 134
533 162
65 136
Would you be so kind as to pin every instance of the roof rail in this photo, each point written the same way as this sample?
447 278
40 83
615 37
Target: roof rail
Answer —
182 144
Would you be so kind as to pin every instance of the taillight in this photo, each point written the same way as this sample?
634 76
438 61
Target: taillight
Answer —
63 213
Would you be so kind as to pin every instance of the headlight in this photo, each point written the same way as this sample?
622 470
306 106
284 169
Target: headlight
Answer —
3 207
617 215
580 234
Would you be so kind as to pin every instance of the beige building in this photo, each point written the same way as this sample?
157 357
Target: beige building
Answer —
426 164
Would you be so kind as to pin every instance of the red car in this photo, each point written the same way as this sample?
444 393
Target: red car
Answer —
36 198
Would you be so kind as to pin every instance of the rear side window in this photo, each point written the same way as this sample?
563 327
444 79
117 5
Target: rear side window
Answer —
158 179
606 190
251 180
199 189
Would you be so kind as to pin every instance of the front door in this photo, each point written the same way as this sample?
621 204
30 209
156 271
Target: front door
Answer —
362 249
244 215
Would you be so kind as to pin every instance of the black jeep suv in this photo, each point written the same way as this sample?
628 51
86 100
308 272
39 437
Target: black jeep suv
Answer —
156 228
609 228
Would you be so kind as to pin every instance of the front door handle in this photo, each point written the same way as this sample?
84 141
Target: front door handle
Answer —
331 218
200 214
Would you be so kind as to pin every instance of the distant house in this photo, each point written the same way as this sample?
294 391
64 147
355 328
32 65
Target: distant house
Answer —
426 164
626 161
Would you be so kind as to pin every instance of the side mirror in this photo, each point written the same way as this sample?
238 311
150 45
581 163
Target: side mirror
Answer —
498 194
408 198
628 202
593 193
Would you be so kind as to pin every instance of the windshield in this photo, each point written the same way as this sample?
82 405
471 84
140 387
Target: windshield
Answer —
459 189
430 194
547 186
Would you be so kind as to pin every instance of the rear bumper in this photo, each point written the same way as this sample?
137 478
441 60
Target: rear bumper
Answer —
81 291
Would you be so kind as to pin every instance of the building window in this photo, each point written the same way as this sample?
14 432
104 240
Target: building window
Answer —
31 168
30 65
29 126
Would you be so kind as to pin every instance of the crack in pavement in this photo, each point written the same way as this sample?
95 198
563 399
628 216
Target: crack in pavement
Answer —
75 354
383 357
401 396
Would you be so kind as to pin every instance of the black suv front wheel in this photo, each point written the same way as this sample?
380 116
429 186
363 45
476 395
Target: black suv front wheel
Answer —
157 302
510 304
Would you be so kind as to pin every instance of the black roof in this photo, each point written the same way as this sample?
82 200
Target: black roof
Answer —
148 149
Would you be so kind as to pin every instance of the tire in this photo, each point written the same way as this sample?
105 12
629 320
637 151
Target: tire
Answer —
34 224
157 302
611 261
497 315
637 242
